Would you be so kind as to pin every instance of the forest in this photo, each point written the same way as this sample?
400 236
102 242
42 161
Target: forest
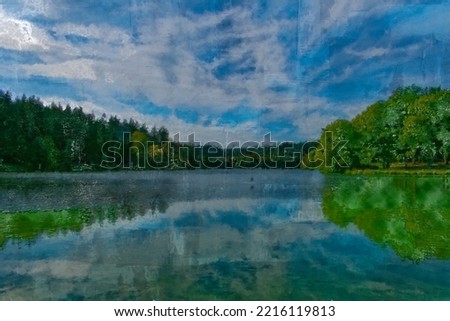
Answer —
411 127
34 137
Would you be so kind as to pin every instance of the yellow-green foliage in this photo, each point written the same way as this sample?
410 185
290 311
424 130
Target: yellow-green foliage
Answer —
413 125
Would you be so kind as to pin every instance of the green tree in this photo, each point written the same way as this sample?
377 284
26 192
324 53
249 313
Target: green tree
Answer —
37 137
338 147
418 135
442 124
412 125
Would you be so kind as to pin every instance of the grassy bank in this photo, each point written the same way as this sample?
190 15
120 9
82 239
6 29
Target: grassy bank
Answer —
418 170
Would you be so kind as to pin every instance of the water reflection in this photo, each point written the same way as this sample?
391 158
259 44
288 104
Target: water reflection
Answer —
410 215
226 235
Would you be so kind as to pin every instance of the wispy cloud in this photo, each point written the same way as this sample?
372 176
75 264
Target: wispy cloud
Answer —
294 65
71 69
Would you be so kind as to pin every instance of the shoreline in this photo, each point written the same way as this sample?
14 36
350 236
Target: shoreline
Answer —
348 172
398 172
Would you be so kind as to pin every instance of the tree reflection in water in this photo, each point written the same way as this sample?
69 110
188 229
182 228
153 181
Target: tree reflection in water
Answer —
409 214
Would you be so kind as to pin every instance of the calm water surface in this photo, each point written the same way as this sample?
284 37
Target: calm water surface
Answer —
223 235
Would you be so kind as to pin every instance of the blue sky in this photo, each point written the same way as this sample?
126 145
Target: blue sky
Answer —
224 70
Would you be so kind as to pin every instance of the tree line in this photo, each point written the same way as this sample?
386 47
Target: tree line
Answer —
412 126
54 138
35 137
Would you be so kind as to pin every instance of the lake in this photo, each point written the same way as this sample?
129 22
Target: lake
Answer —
223 235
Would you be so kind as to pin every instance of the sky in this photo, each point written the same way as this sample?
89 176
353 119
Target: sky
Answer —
224 70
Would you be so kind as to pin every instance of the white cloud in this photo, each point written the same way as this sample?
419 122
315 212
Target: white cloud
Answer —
369 53
101 33
168 71
311 125
72 69
164 65
322 19
43 8
17 34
